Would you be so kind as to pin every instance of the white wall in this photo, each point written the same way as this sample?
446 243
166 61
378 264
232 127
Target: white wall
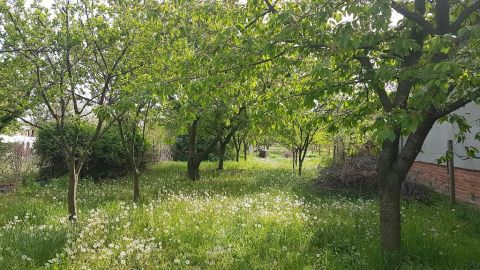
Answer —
18 139
435 144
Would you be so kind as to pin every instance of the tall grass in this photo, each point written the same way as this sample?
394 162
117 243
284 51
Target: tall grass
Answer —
254 215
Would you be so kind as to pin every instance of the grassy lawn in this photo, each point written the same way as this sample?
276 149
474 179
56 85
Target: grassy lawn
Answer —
254 215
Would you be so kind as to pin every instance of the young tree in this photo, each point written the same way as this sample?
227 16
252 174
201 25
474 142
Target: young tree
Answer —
298 130
140 93
128 125
84 50
227 134
239 140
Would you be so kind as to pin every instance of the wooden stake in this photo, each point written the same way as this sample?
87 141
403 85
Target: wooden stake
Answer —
451 171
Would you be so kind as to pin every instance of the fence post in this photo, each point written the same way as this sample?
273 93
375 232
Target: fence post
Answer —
451 171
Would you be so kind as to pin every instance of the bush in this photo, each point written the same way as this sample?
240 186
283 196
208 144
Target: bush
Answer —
107 158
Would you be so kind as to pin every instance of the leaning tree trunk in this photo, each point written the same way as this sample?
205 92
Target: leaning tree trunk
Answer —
222 156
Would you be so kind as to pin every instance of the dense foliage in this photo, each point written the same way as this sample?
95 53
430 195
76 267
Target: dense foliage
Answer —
106 159
275 70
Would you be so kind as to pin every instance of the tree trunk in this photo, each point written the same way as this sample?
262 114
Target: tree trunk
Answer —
300 163
392 168
222 156
245 146
389 188
293 159
335 152
237 151
237 142
193 169
193 164
301 157
136 185
390 219
72 191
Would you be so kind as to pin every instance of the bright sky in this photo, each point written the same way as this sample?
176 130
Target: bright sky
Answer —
394 19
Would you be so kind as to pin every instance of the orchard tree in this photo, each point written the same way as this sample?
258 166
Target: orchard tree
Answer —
132 126
217 75
15 89
218 121
240 139
15 80
406 74
298 128
421 71
304 128
141 94
84 50
225 132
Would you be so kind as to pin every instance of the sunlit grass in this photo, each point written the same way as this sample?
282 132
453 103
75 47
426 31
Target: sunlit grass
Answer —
254 215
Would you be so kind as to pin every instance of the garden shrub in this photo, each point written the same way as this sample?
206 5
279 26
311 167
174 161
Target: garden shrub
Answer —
107 158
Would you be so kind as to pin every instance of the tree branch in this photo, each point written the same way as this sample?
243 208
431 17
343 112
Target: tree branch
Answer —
413 16
382 94
455 105
271 7
463 16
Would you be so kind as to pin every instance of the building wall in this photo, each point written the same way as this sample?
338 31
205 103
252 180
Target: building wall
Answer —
467 171
435 145
467 182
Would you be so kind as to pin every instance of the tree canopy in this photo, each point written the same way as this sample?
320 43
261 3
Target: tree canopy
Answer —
224 69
